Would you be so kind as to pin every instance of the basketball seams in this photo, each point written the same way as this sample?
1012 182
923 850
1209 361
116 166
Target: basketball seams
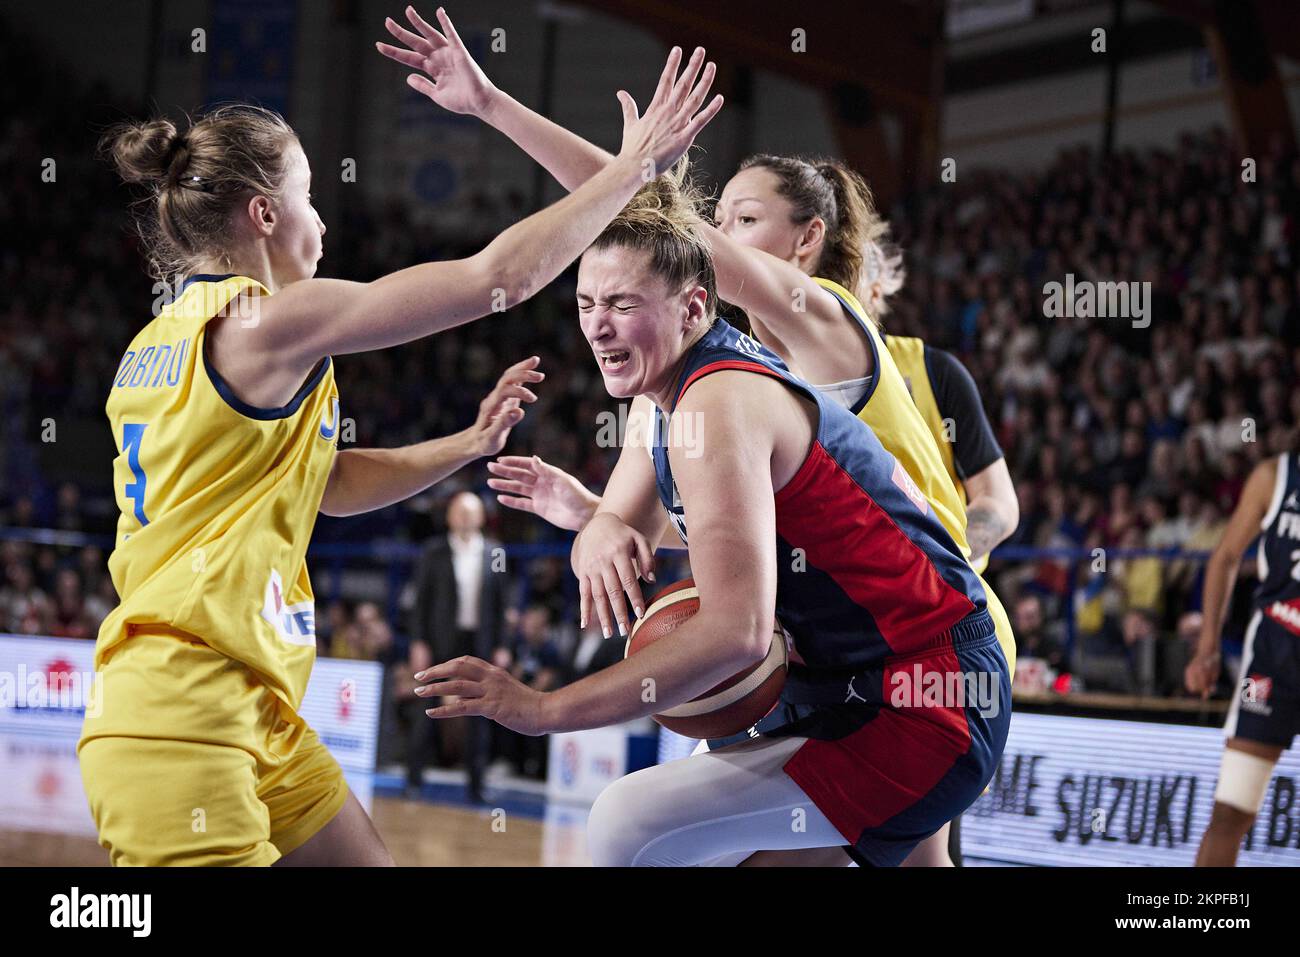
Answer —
730 705
730 695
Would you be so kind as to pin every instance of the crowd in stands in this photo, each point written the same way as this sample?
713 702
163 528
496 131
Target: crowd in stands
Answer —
1122 432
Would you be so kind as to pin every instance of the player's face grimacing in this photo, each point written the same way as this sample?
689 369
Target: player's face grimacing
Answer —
638 328
753 213
294 244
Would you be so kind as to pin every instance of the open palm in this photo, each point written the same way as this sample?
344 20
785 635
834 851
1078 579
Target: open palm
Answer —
503 409
532 485
448 74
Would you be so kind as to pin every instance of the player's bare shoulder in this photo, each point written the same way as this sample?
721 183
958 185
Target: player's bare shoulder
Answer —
747 414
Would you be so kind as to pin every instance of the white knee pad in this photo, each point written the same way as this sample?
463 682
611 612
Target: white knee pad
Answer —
1243 780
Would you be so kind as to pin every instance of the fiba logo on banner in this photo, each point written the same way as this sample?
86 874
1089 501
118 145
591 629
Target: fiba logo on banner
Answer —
295 624
347 697
569 758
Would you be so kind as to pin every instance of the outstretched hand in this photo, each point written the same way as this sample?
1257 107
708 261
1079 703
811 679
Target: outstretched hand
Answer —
448 74
479 688
501 411
671 122
532 485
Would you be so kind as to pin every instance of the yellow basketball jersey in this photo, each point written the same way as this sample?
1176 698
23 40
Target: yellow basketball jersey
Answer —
217 498
909 356
888 407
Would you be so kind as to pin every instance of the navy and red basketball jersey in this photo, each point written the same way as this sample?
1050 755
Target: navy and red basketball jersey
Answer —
865 571
1278 594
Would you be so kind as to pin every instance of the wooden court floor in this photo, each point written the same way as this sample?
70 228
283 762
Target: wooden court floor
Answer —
417 833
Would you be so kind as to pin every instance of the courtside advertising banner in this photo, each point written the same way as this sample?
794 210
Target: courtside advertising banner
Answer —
44 691
1090 791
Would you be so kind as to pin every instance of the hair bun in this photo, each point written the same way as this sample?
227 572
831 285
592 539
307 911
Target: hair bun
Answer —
142 152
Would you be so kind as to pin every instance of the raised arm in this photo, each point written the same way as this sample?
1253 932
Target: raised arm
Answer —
450 77
793 310
319 317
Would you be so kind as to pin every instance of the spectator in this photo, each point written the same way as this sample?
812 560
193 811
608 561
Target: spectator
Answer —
533 657
1176 652
331 627
373 636
1035 638
345 638
459 610
24 608
68 618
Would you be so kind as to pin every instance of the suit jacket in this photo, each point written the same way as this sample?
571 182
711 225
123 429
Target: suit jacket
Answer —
433 620
608 652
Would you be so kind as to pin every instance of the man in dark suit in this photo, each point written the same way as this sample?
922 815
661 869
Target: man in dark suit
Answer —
460 596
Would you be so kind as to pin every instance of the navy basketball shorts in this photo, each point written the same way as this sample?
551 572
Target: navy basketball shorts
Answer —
897 752
1266 707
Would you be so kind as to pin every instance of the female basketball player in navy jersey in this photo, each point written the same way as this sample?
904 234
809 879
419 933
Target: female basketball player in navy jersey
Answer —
780 219
1264 716
780 470
228 452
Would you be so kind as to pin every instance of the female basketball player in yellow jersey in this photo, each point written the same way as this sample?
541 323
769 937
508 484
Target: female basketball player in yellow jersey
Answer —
226 414
780 221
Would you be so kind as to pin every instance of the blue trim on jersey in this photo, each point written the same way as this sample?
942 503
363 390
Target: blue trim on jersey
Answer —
132 437
875 353
257 412
204 277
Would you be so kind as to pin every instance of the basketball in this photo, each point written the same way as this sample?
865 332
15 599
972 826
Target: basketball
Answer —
728 707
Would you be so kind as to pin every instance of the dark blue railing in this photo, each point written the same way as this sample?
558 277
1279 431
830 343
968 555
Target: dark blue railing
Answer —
398 556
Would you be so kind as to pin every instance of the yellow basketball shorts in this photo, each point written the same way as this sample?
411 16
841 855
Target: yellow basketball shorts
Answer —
188 759
1002 626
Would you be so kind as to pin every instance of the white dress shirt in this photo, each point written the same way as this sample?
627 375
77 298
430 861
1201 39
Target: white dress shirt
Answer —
467 566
